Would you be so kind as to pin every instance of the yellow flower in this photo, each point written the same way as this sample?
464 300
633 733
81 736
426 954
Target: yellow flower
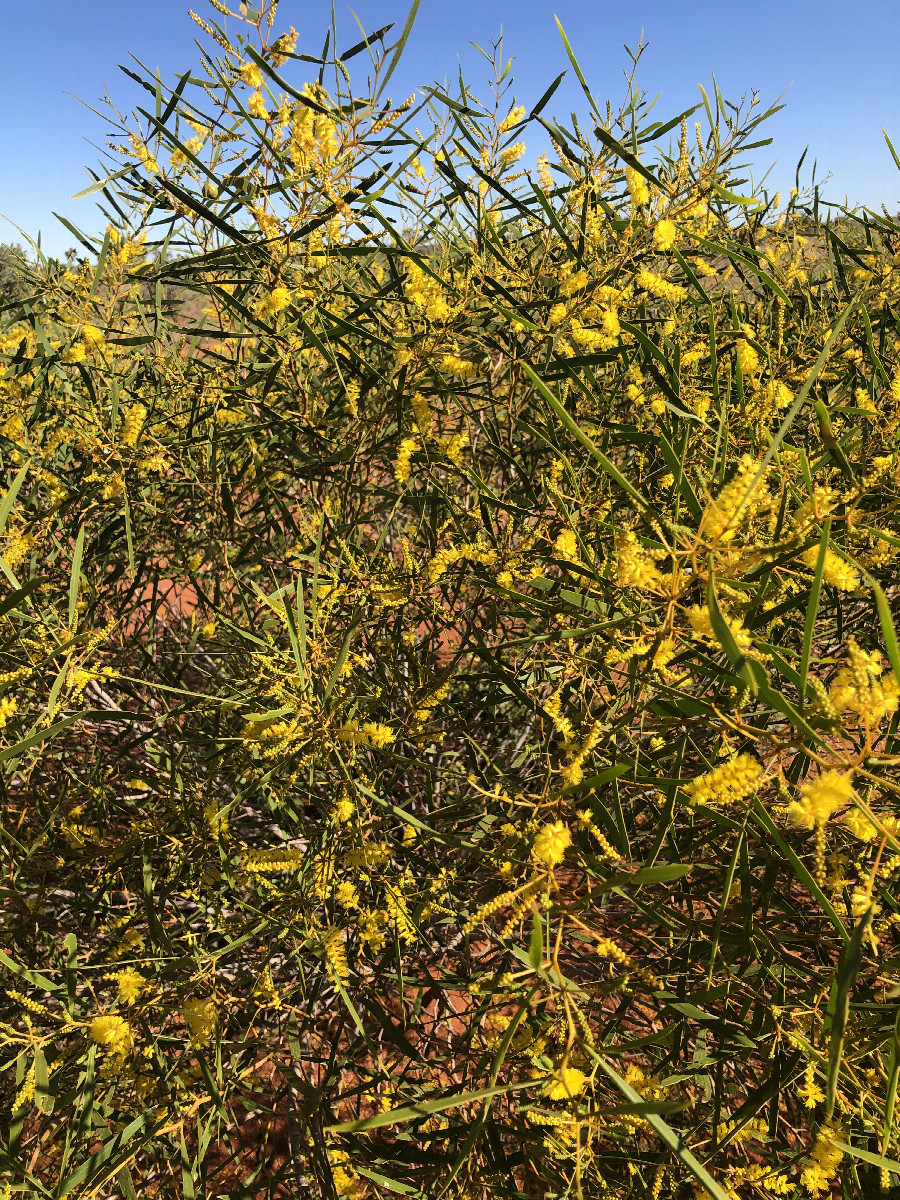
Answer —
132 424
251 75
131 984
336 954
661 288
403 467
113 1032
551 844
859 825
568 1082
511 154
574 283
566 545
823 1161
736 504
664 235
346 894
810 1093
344 809
256 106
730 781
92 336
544 175
200 1018
637 187
835 570
513 117
747 358
634 565
8 708
378 735
820 797
701 623
425 293
276 301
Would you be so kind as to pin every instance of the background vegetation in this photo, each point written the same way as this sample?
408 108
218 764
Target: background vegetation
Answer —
449 684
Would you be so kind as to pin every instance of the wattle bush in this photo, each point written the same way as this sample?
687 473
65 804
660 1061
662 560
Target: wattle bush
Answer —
449 686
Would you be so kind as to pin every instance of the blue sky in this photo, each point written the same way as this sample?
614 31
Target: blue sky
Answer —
838 61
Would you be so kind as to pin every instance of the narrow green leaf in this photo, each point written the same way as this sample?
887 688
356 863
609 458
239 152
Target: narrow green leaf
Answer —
10 498
35 978
427 1108
101 184
812 608
75 577
877 1160
536 943
672 1139
799 869
574 428
43 1098
848 968
399 46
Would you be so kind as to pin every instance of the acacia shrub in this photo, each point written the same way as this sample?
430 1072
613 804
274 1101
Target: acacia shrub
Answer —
449 679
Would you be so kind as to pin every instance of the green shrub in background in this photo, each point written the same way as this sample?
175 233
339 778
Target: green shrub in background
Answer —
12 285
449 683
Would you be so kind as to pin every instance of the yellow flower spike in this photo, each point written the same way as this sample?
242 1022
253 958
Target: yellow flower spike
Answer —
835 570
113 1032
200 1018
256 106
664 234
251 75
92 336
513 118
731 781
551 844
659 287
130 983
566 545
568 1083
747 358
820 797
637 187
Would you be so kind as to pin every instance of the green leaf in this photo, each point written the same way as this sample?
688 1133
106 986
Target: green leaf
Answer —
731 198
799 869
536 943
75 577
399 46
672 1139
893 1074
392 1185
10 498
886 620
115 1153
574 428
812 608
44 735
891 148
577 69
15 598
101 184
877 1160
43 1098
414 1112
849 964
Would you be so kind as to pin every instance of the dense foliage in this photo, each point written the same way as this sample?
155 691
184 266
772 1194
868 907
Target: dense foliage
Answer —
13 263
449 686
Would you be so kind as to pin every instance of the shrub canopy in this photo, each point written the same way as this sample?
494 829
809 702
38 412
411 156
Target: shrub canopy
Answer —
449 685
